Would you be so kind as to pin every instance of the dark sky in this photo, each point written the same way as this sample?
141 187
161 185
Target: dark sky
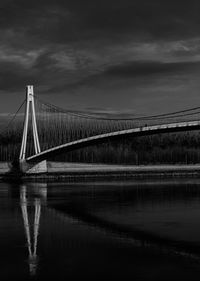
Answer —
138 56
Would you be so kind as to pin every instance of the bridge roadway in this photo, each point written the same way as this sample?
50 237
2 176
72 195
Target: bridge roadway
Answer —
139 131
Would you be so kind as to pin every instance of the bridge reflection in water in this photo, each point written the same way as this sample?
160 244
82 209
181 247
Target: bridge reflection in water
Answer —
100 229
31 225
33 198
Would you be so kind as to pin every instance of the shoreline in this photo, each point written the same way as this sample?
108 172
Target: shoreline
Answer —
58 171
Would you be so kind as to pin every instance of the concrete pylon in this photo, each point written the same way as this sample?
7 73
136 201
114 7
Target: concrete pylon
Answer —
30 109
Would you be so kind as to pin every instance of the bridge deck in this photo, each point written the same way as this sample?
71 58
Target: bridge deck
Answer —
145 130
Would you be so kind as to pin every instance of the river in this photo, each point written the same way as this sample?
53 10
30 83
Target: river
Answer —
134 229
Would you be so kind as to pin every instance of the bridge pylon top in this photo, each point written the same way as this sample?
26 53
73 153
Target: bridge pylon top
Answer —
29 93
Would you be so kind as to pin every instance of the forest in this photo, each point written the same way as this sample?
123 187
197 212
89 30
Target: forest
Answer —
168 148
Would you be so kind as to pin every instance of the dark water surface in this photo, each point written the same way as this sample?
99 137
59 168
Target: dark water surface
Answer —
139 230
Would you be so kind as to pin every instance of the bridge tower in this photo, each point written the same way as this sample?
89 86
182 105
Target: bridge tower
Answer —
30 112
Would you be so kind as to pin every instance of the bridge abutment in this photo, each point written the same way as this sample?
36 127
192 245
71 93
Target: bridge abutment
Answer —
33 168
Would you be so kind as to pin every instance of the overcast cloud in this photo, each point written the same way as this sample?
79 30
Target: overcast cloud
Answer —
129 55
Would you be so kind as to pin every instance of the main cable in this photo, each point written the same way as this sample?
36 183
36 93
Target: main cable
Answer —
150 117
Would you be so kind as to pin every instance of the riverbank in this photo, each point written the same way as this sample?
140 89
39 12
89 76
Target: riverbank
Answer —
79 171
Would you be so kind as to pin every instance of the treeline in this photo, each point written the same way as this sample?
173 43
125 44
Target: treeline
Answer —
180 148
172 148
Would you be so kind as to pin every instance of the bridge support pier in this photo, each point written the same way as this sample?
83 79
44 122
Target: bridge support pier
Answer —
33 168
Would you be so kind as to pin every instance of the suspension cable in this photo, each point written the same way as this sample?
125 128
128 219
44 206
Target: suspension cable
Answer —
150 117
13 118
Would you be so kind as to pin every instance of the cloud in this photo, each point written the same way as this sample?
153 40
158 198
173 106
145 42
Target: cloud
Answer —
88 48
26 59
144 68
65 21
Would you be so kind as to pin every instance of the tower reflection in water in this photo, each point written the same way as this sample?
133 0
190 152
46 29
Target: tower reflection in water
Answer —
30 202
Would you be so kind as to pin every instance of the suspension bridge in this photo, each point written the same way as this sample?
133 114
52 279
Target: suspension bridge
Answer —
40 130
